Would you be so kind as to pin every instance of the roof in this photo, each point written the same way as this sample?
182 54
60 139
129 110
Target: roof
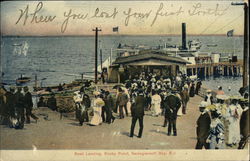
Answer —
186 55
150 58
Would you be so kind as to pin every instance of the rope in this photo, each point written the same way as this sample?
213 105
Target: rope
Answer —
228 23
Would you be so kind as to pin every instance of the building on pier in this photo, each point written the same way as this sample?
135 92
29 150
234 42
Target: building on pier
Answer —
147 61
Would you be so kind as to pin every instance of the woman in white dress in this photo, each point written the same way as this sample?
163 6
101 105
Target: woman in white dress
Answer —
98 103
155 103
234 114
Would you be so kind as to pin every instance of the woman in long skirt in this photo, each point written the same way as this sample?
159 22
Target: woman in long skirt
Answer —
216 134
98 103
234 111
155 104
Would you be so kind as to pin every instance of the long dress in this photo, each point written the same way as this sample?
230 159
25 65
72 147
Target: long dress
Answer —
156 105
216 135
97 106
234 112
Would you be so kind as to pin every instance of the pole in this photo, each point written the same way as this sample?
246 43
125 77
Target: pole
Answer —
245 50
111 54
36 81
96 46
245 71
101 55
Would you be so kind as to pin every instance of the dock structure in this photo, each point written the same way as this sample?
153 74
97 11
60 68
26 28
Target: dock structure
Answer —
216 69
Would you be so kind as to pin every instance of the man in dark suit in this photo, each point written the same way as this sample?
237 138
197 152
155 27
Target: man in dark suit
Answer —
203 127
244 122
173 104
121 101
28 104
19 106
138 113
109 103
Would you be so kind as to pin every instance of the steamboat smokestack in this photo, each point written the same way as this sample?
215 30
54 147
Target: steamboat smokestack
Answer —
184 36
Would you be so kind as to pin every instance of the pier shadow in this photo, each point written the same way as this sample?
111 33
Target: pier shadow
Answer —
128 134
74 124
125 134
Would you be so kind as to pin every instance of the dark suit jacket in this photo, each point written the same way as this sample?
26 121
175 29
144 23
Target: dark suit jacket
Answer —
244 123
28 100
138 108
172 105
122 99
19 100
203 127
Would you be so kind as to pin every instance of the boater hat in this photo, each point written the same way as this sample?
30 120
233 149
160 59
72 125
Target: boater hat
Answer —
203 104
209 91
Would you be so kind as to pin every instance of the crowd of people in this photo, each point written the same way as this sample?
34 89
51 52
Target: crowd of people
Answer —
160 96
222 122
16 107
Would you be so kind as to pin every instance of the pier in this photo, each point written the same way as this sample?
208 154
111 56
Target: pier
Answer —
203 70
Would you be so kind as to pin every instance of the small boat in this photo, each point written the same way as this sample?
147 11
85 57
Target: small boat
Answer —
15 44
212 45
22 80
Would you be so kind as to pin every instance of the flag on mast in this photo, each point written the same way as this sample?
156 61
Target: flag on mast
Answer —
230 33
115 29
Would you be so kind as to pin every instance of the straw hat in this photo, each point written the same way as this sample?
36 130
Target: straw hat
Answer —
236 98
209 91
203 104
186 86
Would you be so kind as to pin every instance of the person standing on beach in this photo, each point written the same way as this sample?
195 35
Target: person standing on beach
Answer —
98 103
192 90
198 87
155 103
216 138
121 101
10 104
28 104
20 108
52 103
234 111
2 105
173 104
109 107
209 98
138 113
244 122
203 127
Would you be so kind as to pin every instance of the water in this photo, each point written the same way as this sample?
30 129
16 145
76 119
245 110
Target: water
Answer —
230 85
61 59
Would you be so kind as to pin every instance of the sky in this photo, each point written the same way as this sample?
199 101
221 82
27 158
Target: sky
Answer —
28 18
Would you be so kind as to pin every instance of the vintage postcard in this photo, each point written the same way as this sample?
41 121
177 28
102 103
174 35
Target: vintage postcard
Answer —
124 80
